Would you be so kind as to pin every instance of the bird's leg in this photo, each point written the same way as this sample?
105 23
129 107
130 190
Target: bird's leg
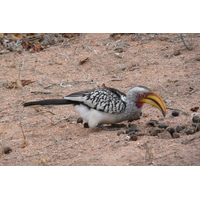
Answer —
85 125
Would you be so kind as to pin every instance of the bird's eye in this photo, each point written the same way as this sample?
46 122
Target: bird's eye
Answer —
141 95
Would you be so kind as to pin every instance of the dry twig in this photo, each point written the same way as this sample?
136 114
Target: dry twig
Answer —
186 113
70 83
39 92
184 42
24 156
66 118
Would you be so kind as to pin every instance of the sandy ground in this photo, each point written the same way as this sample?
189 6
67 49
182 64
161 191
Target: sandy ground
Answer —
158 61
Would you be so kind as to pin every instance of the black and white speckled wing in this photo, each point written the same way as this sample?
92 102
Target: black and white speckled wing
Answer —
107 100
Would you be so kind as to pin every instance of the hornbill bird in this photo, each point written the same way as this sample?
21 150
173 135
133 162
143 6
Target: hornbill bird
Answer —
108 105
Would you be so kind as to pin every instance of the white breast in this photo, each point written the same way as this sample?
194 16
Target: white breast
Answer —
95 117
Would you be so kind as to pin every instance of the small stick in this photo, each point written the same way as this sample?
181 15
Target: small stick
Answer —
61 120
48 86
24 137
163 156
116 79
184 42
38 92
54 143
69 83
112 142
186 113
24 156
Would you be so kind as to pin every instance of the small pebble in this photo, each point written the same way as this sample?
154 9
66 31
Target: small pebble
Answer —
190 131
175 113
86 125
132 137
176 53
162 126
7 150
196 119
171 130
194 109
179 128
80 120
167 101
120 133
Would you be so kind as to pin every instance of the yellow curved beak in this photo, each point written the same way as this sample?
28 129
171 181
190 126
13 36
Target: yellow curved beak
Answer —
155 100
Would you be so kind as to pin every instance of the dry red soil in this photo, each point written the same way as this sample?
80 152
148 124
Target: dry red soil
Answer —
161 62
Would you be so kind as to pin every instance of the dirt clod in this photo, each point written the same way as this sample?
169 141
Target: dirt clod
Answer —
170 130
175 135
196 119
155 131
175 113
131 129
120 133
194 109
198 59
164 135
164 126
7 150
190 131
179 128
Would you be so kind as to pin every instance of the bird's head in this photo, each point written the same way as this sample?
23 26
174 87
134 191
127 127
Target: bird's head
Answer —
143 95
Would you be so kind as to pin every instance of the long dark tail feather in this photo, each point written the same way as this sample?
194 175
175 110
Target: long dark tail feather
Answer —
49 102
